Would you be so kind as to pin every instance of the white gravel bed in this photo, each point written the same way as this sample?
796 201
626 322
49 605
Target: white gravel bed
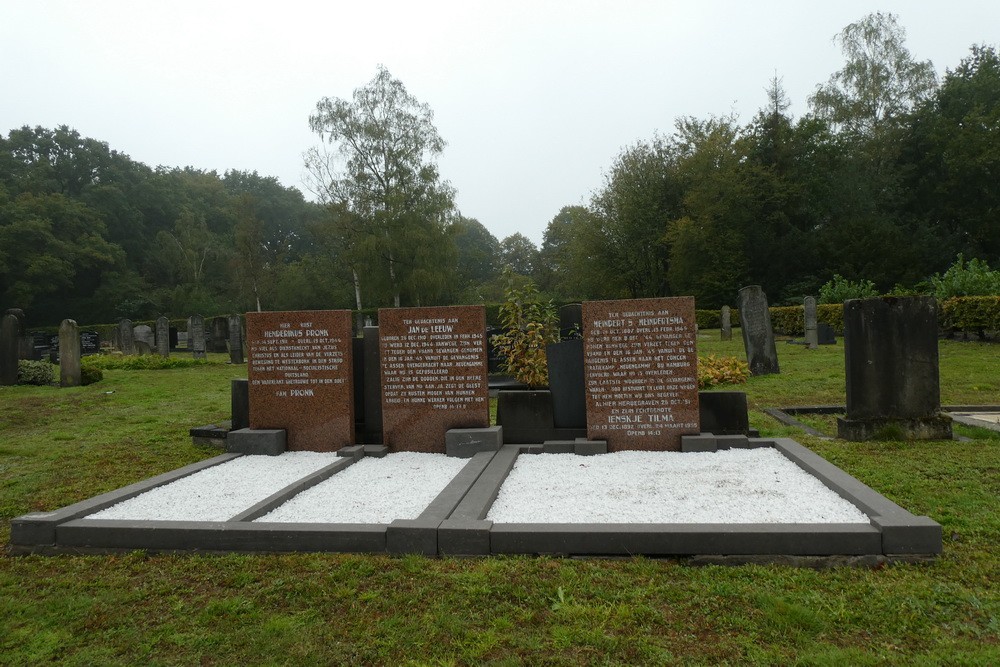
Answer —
397 486
221 492
730 486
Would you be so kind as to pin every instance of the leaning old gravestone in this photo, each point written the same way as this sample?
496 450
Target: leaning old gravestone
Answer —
726 324
758 336
69 354
809 313
143 333
891 359
641 370
196 336
300 373
9 345
235 339
433 374
25 344
163 336
125 337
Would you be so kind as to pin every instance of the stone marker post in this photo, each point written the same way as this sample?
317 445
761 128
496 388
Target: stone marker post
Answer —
69 354
9 344
758 336
726 324
809 312
126 336
235 339
196 336
891 359
163 336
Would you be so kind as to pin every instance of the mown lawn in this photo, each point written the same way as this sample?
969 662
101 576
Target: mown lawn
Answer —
58 446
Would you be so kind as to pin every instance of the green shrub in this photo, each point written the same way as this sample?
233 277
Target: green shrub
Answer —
788 320
961 279
90 375
714 371
971 313
145 362
35 372
840 289
529 325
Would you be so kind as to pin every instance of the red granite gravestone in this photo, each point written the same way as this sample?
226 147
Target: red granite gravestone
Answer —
641 372
433 374
300 377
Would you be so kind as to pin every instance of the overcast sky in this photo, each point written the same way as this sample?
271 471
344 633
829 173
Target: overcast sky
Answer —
535 99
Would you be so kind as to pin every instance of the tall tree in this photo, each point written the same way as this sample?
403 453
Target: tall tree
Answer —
383 169
519 253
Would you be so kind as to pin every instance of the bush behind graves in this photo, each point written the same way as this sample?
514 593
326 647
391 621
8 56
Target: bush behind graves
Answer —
35 372
145 362
839 289
971 313
529 325
713 371
966 279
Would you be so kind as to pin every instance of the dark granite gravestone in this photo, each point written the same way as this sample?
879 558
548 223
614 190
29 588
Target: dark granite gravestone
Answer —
126 341
891 359
641 369
196 336
825 334
300 376
239 404
163 336
90 342
724 412
758 336
235 339
69 354
434 376
39 344
566 382
174 338
571 321
9 346
809 313
493 357
372 387
726 324
358 364
219 335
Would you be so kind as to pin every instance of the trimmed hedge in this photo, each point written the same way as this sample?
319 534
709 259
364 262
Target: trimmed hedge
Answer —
971 313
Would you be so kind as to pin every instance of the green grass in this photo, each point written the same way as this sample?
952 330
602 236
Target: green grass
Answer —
58 446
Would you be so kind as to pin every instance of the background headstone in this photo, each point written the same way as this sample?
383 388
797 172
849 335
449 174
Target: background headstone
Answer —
69 354
125 337
196 336
726 324
163 336
372 387
891 360
566 382
434 375
758 336
90 342
9 347
219 334
809 313
174 338
300 377
641 368
571 321
25 344
239 404
825 334
143 333
235 339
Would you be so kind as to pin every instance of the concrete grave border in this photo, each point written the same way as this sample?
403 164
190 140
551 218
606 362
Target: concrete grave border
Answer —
454 523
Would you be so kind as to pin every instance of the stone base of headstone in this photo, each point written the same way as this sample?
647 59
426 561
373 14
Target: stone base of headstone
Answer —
526 417
703 442
584 447
464 443
376 451
926 428
271 442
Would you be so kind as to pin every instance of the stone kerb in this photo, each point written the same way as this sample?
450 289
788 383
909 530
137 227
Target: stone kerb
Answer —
640 367
69 354
433 371
758 334
301 377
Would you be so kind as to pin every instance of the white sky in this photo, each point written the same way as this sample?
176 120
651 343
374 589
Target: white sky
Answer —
535 99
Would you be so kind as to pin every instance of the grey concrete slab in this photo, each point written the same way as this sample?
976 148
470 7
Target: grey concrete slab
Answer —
590 447
269 442
445 503
732 442
413 536
352 451
559 446
39 527
464 537
480 497
703 442
221 536
465 442
284 495
376 451
603 539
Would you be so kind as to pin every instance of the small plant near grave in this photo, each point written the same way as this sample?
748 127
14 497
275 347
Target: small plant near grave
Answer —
145 362
90 375
840 289
713 370
529 325
35 372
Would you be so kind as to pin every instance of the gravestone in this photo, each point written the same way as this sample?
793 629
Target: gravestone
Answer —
809 313
125 337
434 378
90 342
143 333
566 382
69 354
174 338
726 324
163 336
372 387
25 344
641 369
9 347
891 359
239 404
300 377
235 339
758 336
219 334
825 334
570 321
196 336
